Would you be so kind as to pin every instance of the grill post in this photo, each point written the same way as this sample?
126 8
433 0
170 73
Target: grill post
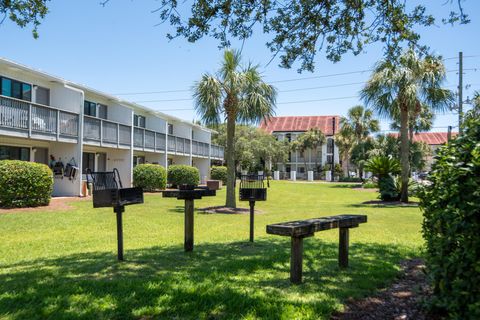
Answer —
188 241
119 210
252 219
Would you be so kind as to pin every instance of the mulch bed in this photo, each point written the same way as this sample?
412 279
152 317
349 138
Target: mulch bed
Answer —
402 300
56 204
226 210
392 203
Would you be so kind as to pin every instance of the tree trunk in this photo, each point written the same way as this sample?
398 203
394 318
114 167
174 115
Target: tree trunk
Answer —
230 152
404 153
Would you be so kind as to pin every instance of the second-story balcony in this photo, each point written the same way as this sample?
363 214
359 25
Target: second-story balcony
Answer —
27 119
178 145
148 140
106 133
200 149
216 152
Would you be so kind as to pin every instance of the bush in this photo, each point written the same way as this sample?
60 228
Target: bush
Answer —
451 224
24 184
383 168
350 179
388 189
150 177
219 173
183 174
370 184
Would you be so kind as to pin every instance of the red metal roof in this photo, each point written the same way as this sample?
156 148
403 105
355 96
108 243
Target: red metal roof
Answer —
431 138
300 123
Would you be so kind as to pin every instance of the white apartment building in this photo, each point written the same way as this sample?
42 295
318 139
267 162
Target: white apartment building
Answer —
289 128
44 116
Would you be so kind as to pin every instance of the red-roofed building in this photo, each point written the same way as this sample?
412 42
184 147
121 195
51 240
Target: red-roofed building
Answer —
433 139
289 128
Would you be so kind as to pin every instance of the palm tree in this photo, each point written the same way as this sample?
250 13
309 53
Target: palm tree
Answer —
345 143
309 140
234 94
399 89
359 123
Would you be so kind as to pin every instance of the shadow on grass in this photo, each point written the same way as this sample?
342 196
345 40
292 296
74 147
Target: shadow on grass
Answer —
347 185
233 280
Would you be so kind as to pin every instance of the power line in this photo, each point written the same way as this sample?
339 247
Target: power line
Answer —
285 80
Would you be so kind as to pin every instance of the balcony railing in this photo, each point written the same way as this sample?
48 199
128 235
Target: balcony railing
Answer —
35 118
144 138
200 148
216 152
100 130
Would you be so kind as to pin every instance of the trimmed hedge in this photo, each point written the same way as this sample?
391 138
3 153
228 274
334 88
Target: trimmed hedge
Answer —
451 224
183 174
219 173
24 184
151 177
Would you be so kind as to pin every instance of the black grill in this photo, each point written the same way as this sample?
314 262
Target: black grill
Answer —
252 188
108 190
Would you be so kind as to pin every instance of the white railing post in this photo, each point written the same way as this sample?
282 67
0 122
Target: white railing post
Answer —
155 142
101 132
58 125
29 120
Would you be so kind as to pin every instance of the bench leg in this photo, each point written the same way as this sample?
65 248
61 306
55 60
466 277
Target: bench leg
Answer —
296 260
188 241
252 221
119 211
343 247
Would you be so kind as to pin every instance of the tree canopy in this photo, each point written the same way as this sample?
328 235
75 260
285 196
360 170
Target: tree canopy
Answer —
253 147
24 12
298 30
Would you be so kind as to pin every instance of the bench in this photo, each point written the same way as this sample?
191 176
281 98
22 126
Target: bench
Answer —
298 230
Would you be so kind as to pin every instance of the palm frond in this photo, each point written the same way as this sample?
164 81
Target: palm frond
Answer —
207 95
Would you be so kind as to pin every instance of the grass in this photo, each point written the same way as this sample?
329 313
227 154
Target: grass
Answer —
62 265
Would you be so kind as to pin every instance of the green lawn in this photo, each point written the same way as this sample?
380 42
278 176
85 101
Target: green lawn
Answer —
62 265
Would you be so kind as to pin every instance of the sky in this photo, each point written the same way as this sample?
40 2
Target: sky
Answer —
121 49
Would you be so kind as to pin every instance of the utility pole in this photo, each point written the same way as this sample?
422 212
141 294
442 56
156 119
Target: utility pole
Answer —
460 92
333 148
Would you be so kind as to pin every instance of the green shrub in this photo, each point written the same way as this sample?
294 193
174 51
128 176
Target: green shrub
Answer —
370 184
451 210
388 189
350 179
383 168
183 174
219 173
24 184
150 177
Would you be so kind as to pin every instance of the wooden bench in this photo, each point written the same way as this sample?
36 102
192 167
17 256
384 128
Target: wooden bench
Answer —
298 230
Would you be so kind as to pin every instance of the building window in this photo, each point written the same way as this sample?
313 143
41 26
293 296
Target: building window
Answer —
329 159
15 89
301 169
138 160
14 153
139 121
42 95
88 162
169 161
170 128
288 136
329 145
90 108
102 111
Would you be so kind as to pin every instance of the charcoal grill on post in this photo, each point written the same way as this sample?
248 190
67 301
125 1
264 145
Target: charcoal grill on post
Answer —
252 188
109 192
